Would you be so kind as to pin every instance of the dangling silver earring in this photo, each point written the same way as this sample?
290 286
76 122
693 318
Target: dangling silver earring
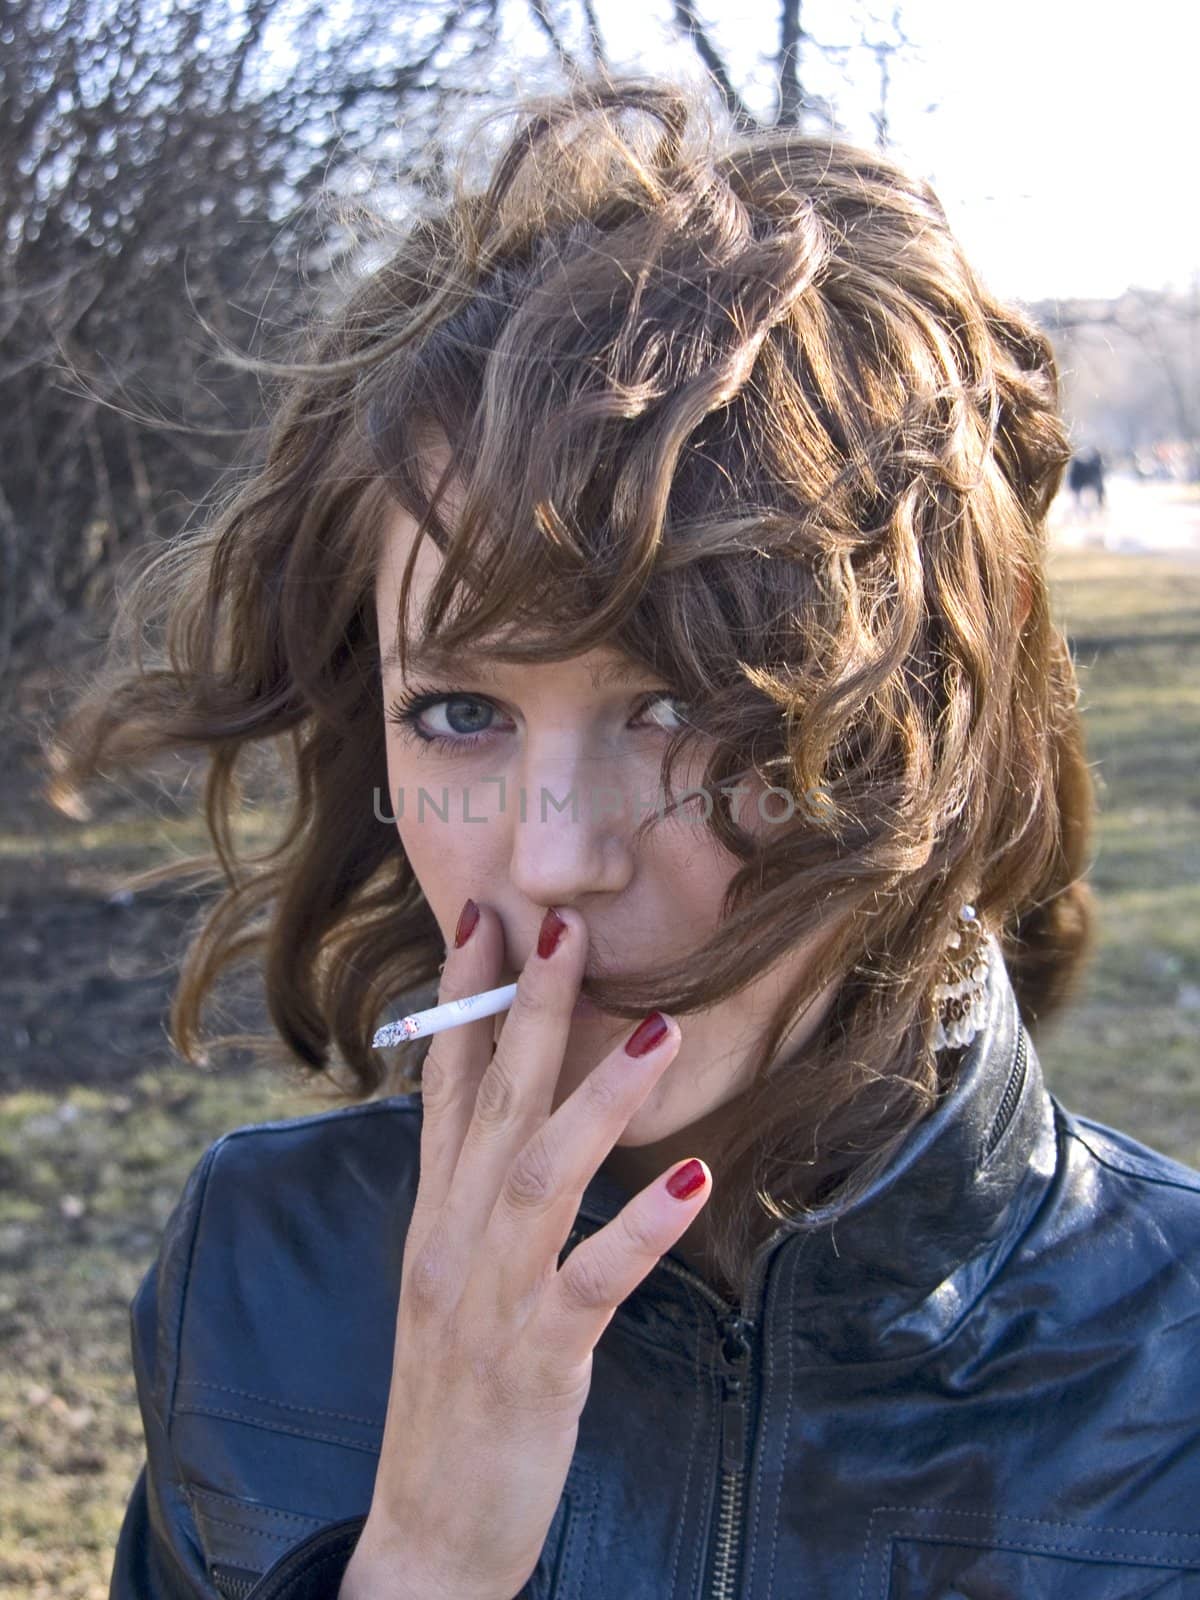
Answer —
961 996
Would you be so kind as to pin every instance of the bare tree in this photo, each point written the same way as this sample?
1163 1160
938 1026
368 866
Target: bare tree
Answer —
151 163
157 166
1131 368
884 50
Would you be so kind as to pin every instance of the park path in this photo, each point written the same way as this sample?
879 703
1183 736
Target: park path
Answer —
1140 518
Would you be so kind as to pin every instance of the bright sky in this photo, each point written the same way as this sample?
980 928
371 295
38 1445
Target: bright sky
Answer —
1064 144
1063 140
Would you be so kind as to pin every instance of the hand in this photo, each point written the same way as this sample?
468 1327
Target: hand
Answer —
494 1340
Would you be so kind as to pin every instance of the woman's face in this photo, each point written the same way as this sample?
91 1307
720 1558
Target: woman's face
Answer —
581 741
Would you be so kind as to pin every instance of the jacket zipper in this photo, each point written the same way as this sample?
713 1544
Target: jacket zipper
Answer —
735 1354
233 1585
735 1331
1012 1093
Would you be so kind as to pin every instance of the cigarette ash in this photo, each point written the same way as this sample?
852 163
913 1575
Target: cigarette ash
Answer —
395 1033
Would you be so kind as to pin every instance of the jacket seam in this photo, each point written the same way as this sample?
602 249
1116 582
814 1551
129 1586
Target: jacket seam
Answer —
204 1178
767 1394
866 1555
269 1426
582 1530
179 1293
687 1479
1037 1522
185 1279
283 1405
999 1542
248 1527
260 1510
1081 1552
1162 1180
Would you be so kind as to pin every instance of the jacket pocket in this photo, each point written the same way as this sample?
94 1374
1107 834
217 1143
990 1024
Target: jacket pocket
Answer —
927 1553
242 1539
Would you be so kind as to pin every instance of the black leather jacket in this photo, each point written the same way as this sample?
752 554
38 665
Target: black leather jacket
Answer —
981 1381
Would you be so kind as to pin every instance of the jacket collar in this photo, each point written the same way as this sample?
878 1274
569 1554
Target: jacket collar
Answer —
895 1270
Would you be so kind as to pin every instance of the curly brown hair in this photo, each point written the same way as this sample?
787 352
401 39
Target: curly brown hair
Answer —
738 407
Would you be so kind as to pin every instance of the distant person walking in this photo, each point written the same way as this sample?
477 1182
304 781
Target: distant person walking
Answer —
1086 471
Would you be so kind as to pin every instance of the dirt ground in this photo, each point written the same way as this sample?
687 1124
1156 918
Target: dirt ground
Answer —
88 963
100 1122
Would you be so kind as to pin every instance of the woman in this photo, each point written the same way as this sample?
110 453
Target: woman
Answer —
646 587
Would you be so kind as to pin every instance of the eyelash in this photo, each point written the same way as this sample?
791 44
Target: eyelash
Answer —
405 714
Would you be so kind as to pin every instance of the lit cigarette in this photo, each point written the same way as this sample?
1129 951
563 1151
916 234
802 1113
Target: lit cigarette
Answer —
452 1015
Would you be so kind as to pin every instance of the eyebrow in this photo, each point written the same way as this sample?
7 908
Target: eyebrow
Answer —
434 660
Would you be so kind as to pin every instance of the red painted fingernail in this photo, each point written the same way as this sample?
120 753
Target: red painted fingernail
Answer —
646 1035
686 1181
552 929
467 918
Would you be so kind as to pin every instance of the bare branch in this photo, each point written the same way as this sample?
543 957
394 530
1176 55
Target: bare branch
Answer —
791 98
595 37
541 15
689 23
883 50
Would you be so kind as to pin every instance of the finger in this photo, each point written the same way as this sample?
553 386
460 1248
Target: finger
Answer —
605 1268
457 1057
544 1185
517 1090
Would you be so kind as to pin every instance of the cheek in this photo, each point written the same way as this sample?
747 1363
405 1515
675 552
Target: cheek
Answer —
692 870
450 860
449 865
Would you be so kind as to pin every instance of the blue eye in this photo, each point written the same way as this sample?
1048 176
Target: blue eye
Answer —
469 716
466 713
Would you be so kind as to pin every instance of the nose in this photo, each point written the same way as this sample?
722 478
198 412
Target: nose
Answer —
570 827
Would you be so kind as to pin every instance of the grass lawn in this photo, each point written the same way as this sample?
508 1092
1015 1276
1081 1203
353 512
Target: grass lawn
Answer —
90 1169
1129 1052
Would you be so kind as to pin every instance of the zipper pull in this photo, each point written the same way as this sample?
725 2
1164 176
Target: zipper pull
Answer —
735 1352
